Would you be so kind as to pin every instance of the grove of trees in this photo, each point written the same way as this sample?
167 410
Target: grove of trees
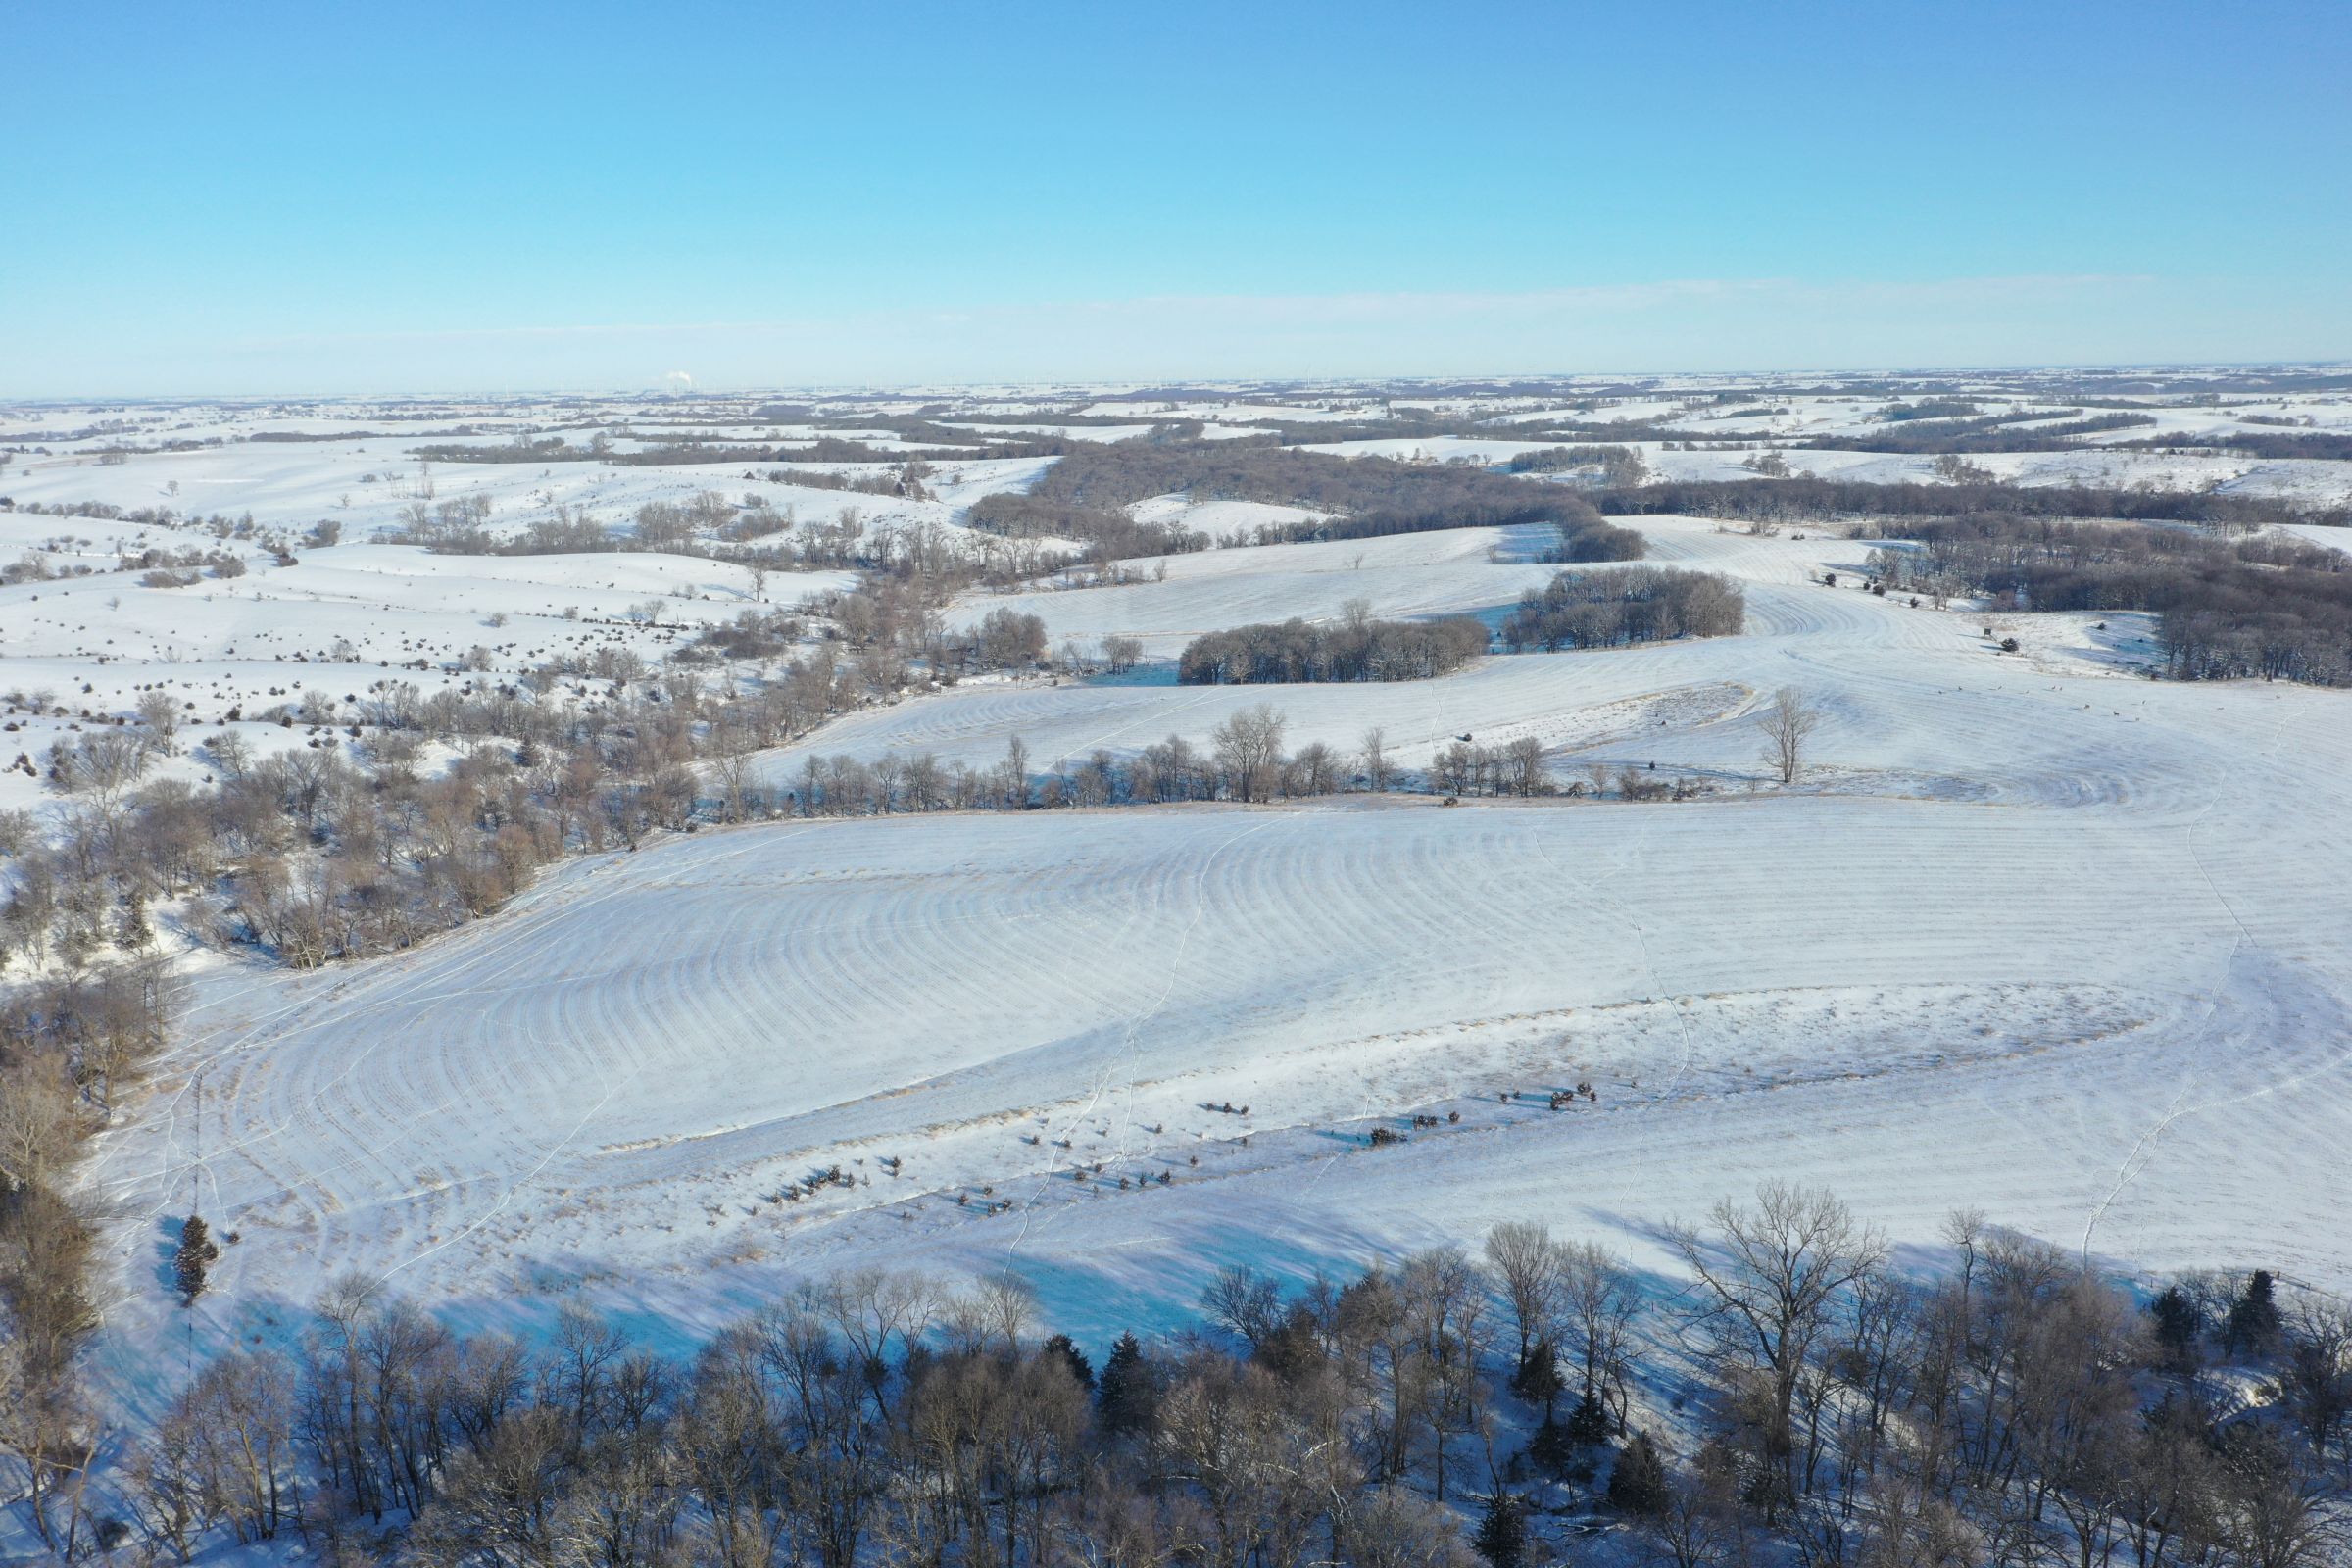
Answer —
1357 646
1084 496
1625 605
2262 605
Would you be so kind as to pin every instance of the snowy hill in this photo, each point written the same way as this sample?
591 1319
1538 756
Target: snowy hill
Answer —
2033 933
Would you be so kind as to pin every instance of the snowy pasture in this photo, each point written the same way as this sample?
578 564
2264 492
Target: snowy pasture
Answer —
2037 937
1455 572
2033 933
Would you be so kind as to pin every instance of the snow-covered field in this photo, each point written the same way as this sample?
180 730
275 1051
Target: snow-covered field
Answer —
2035 934
1456 572
2308 479
1680 705
2042 938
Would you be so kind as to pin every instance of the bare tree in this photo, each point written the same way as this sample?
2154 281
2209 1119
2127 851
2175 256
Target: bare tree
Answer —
1375 753
880 1315
2270 1510
1696 1526
1785 725
160 716
36 1120
1598 1299
1528 1262
1244 1303
1122 653
1014 772
1524 758
990 1318
732 768
1771 1277
1250 750
1390 1527
2317 1372
103 766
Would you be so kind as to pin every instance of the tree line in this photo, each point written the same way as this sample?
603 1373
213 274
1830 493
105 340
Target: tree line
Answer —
697 450
1244 759
1800 1392
2323 445
1084 498
1991 432
69 1045
1805 499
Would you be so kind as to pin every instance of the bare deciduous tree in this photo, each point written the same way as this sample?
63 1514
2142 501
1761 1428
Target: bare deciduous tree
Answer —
159 715
1770 1277
2317 1372
1523 760
1597 1300
36 1120
1786 725
1250 750
1529 1263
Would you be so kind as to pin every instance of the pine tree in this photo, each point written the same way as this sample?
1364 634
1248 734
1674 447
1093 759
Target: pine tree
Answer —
1637 1483
1501 1536
195 1256
2254 1315
1551 1450
1126 1399
2176 1326
1062 1345
135 932
1537 1380
1588 1424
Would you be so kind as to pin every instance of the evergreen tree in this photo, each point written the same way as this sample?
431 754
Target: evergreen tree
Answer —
1588 1423
1127 1399
2176 1326
2254 1315
194 1258
1537 1380
134 931
1551 1450
1637 1483
1501 1536
1062 1345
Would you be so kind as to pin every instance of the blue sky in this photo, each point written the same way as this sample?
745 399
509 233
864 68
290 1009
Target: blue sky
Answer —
254 198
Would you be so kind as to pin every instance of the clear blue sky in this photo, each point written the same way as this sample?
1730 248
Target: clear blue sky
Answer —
316 197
